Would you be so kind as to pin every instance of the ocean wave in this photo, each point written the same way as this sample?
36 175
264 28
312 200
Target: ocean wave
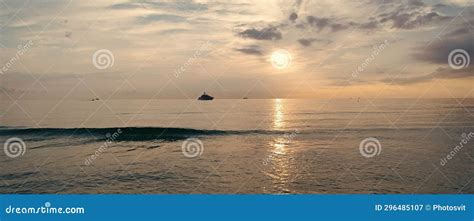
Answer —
87 135
126 133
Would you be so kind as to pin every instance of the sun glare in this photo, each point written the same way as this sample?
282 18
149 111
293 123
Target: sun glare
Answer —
281 59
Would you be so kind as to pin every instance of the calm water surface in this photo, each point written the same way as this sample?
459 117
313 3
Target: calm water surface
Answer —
248 146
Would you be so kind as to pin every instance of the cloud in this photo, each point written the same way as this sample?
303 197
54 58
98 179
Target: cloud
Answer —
268 33
319 23
370 25
322 22
127 5
251 50
412 16
458 37
440 73
438 51
174 31
408 14
296 9
293 17
338 27
297 5
171 5
306 42
416 3
460 31
160 17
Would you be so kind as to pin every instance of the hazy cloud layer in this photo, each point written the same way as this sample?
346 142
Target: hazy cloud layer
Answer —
306 42
440 73
438 51
251 49
268 33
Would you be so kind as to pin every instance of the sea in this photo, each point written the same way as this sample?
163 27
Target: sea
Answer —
237 146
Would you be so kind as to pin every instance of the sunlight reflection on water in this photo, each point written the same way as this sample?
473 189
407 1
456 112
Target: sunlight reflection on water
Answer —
278 122
280 164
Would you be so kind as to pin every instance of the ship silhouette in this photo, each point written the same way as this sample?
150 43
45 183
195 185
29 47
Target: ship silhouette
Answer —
205 97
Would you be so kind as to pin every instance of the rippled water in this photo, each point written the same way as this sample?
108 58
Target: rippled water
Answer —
243 146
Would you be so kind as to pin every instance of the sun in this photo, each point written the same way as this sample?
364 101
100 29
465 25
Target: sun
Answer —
281 59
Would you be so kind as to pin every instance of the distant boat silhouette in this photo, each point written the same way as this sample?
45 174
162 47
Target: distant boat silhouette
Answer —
245 98
205 97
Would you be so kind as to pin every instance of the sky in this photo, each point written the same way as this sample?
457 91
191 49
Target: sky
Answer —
61 49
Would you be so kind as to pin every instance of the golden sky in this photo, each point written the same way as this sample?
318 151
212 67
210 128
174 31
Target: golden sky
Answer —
236 48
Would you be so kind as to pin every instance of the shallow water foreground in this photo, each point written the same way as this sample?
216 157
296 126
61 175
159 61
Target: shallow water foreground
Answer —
241 146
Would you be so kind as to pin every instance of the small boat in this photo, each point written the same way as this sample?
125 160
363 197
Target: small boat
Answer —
205 97
245 98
